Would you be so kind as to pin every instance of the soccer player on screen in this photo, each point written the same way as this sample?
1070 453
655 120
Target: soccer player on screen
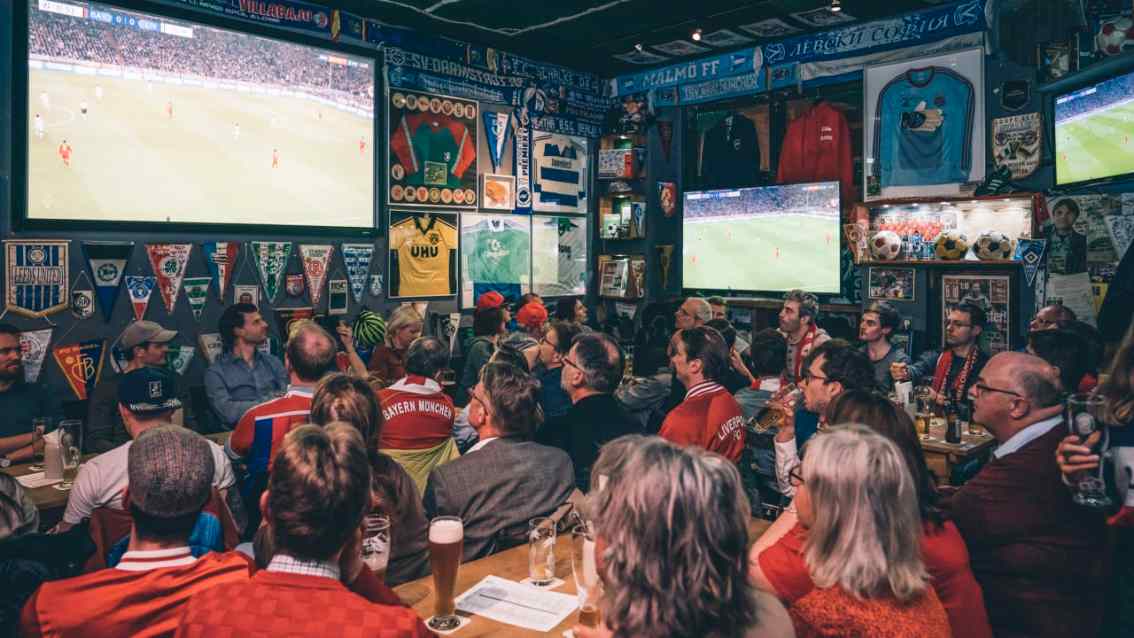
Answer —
98 92
275 158
45 100
65 153
361 146
83 109
39 126
169 109
236 132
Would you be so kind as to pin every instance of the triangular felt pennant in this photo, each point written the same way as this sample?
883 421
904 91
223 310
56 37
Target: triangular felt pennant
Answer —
107 261
271 261
665 135
211 345
177 358
168 262
316 258
33 350
220 257
1030 253
140 289
82 298
197 292
496 132
117 360
357 258
81 364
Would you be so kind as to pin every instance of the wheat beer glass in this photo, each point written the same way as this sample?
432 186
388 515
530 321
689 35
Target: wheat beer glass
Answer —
446 543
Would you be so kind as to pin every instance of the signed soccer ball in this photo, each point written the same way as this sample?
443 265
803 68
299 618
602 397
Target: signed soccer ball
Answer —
885 245
993 244
951 244
1114 34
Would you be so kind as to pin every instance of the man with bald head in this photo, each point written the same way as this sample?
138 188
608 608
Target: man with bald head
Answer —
1035 553
1052 317
693 313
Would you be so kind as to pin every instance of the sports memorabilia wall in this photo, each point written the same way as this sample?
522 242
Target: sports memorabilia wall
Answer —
38 276
423 254
433 147
924 125
496 256
919 225
559 173
559 255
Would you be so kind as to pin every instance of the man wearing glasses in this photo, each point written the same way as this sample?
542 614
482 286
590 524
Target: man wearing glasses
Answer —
955 370
553 349
1036 554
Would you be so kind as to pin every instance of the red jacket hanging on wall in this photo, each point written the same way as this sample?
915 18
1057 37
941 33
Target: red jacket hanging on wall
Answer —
817 147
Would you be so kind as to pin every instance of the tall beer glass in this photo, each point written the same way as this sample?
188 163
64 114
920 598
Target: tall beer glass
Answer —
446 544
588 586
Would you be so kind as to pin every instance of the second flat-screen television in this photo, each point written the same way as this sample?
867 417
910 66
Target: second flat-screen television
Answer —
767 239
143 118
1094 131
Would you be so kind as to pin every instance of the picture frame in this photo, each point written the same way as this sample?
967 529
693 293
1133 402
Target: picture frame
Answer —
497 192
892 284
429 239
448 180
992 293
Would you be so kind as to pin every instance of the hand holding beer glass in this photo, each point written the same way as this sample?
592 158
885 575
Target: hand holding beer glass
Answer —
446 544
1084 419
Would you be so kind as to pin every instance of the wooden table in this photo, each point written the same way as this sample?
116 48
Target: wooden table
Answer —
513 565
942 458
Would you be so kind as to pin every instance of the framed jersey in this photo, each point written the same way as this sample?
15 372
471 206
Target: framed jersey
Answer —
496 256
423 254
560 173
432 150
559 255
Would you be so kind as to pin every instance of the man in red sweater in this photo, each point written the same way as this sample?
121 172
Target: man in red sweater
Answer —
1037 555
709 416
317 496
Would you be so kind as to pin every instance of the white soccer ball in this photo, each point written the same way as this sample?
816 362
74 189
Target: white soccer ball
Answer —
885 245
951 244
993 244
1114 34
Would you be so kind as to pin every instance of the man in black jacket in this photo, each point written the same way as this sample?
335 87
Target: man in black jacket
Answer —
592 370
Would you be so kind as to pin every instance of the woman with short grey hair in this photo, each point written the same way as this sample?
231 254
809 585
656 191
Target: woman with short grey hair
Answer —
672 532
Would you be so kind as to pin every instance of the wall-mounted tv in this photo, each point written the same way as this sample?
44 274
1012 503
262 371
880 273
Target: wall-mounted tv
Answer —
767 239
1094 131
146 119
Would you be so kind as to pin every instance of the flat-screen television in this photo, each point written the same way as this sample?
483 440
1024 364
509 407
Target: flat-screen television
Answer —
767 239
134 117
1094 131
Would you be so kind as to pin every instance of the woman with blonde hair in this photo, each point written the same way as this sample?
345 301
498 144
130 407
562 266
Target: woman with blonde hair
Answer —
389 360
858 503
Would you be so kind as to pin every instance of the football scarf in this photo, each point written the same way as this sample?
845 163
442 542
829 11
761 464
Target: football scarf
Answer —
941 373
140 289
220 257
33 350
81 364
107 262
197 292
271 261
316 258
37 276
168 262
804 348
522 161
357 258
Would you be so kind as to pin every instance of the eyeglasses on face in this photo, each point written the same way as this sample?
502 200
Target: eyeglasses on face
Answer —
981 387
568 361
957 324
795 475
809 376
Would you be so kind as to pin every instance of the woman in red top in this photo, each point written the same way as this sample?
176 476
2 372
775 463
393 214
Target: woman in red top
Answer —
779 556
389 360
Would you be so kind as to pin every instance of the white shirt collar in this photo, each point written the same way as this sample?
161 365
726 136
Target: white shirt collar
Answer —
481 443
142 561
1027 435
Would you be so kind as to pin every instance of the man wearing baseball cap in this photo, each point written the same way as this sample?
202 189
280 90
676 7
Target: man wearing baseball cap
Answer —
170 471
146 400
144 343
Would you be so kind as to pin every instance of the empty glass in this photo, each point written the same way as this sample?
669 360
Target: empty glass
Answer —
376 543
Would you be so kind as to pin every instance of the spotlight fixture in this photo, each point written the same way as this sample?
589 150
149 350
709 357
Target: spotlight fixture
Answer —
638 47
836 6
696 35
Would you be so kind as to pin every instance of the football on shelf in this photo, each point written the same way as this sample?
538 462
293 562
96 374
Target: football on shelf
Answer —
951 244
993 244
885 245
1114 34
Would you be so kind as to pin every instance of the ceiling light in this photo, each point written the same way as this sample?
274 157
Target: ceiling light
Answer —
836 6
696 35
638 47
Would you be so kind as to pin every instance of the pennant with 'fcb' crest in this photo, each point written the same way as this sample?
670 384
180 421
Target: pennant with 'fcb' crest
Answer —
107 261
316 259
140 289
496 130
357 258
81 364
197 292
271 261
33 350
168 262
220 257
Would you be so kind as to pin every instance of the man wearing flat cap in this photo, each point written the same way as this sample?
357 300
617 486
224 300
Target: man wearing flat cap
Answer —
171 473
146 400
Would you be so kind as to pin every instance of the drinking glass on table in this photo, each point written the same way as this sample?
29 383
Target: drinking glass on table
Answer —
376 543
70 449
924 412
446 544
1084 419
588 586
39 428
541 550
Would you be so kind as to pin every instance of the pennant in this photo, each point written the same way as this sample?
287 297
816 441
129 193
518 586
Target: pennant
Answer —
211 345
81 364
665 255
293 284
140 289
177 358
107 262
357 258
337 297
1121 230
496 131
220 257
316 258
197 292
33 350
168 262
665 135
117 360
38 278
667 197
271 261
285 317
243 293
376 285
1030 253
82 299
522 161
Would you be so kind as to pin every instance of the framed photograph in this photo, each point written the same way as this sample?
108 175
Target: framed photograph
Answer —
893 284
496 256
725 38
498 192
432 151
770 28
679 48
246 293
422 254
1057 59
640 57
823 17
990 292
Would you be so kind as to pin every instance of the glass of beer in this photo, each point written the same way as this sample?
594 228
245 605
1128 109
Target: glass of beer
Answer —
588 586
924 410
376 543
446 544
70 449
541 550
1084 418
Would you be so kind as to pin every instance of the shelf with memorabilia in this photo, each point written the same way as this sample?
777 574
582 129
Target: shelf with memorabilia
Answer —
622 216
622 157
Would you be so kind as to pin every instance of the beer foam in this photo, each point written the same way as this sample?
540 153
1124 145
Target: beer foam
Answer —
446 531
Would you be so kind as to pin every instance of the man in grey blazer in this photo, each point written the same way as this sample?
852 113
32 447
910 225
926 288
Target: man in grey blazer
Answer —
505 480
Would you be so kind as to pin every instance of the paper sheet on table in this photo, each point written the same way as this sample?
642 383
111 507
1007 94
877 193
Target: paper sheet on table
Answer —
32 481
513 603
